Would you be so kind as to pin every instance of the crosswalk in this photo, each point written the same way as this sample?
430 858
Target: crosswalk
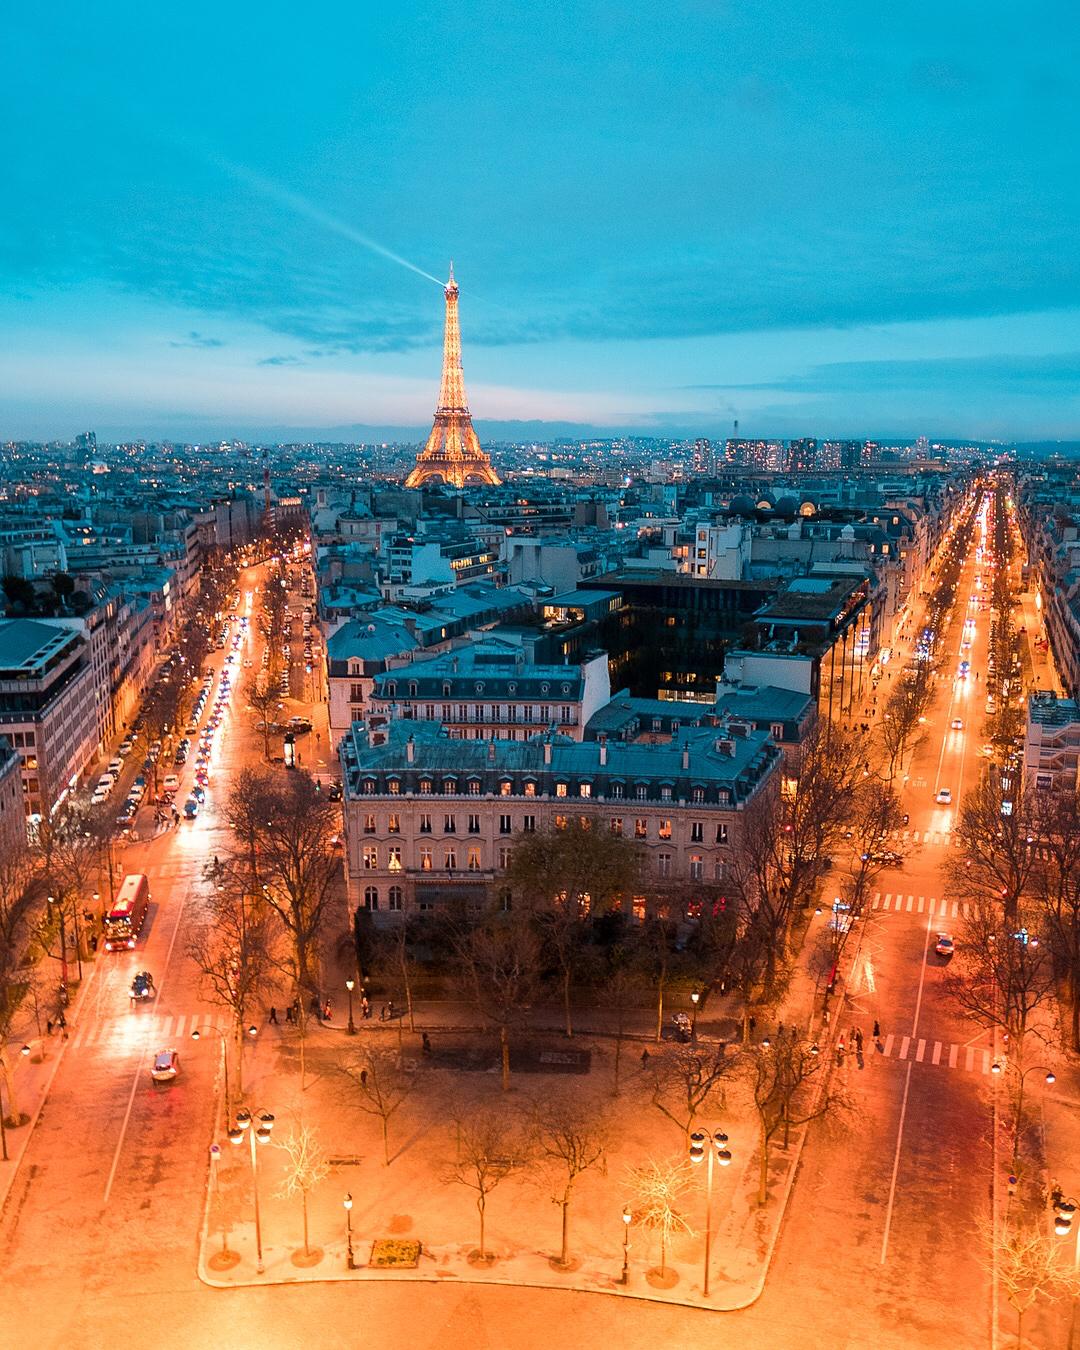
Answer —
922 1050
930 905
139 1027
943 838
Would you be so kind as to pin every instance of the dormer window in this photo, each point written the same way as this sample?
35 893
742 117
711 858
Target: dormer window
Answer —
544 688
479 686
446 689
511 688
391 689
412 688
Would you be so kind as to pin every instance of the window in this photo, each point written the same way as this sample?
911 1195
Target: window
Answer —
473 859
449 825
616 825
449 787
506 899
530 789
425 823
446 689
697 869
474 787
560 822
616 790
394 898
528 824
777 730
560 789
446 712
478 712
719 870
463 712
641 792
585 822
451 859
369 824
723 796
391 689
356 693
412 688
394 786
371 897
505 826
505 787
665 793
663 830
585 789
394 861
641 828
425 787
663 864
393 824
504 857
371 857
429 711
369 787
474 824
721 834
425 858
697 832
565 716
697 795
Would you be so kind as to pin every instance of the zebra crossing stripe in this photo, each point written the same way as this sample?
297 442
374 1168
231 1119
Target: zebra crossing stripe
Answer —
954 1054
936 1056
920 1052
904 1047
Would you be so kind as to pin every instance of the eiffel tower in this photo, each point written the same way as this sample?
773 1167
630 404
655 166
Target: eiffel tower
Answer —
452 454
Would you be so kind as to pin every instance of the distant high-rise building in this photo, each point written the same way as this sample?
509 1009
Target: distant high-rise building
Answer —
452 454
842 455
702 460
87 441
801 455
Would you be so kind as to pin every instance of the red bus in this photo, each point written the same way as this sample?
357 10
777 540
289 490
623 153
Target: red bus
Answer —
125 919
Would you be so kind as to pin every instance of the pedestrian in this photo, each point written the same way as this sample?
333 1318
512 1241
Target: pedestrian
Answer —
365 1008
93 942
877 1030
48 1026
752 1024
313 1006
425 1041
272 1020
382 1013
825 1015
390 1010
780 1031
326 1011
61 1020
645 1058
858 1040
289 1018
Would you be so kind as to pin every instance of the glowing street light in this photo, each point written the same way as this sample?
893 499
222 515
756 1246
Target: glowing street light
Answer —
704 1148
256 1134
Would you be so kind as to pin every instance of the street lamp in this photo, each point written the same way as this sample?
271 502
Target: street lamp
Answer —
695 999
998 1067
197 1035
63 943
259 1134
350 985
704 1148
627 1218
350 1264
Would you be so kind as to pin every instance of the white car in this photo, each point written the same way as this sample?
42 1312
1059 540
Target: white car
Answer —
958 724
944 796
172 782
166 1066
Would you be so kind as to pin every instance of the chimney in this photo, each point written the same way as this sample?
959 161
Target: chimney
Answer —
491 752
547 750
410 751
686 755
603 752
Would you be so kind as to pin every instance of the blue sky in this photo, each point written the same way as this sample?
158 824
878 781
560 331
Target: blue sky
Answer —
821 219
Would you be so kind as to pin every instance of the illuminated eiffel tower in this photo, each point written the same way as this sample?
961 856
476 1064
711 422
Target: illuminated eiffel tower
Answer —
452 454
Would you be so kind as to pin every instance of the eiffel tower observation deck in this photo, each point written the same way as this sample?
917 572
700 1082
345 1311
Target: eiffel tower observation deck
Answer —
452 454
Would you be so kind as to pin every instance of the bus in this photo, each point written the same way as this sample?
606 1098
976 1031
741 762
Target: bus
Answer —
126 918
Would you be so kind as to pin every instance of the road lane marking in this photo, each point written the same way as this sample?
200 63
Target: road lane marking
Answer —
904 1044
920 1052
954 1054
921 903
969 1059
936 1056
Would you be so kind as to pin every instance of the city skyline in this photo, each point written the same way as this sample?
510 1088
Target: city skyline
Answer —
854 229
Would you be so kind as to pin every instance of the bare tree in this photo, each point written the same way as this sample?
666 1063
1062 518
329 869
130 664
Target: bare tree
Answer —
687 1081
784 1079
569 1137
501 960
659 1191
233 950
262 696
379 1086
488 1151
306 1166
994 860
904 716
18 905
1055 891
1030 1265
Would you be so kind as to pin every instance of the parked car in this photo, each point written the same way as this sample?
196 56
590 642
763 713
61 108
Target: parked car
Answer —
170 783
142 987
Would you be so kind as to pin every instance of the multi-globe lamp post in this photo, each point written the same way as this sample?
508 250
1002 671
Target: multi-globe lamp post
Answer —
257 1133
709 1147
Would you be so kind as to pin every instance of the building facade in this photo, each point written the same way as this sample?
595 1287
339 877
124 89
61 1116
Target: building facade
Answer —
430 821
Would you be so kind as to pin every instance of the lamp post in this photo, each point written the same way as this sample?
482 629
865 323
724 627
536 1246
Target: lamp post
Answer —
350 985
998 1067
350 1264
706 1148
63 942
695 999
217 1031
627 1218
256 1134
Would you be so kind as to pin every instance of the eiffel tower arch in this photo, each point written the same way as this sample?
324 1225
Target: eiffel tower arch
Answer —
452 453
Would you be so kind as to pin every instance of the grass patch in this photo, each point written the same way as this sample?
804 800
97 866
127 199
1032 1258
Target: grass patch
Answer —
395 1253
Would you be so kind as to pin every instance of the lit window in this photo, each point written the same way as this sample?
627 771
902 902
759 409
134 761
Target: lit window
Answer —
371 857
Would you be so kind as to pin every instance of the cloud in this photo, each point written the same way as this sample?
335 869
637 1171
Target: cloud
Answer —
1033 375
198 340
280 361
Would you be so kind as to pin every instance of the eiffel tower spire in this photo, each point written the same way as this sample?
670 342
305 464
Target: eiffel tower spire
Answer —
452 454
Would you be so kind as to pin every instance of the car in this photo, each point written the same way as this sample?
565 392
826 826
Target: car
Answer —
944 796
142 986
105 783
944 946
299 723
124 749
166 1066
887 856
247 662
191 807
958 724
170 782
334 792
98 796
